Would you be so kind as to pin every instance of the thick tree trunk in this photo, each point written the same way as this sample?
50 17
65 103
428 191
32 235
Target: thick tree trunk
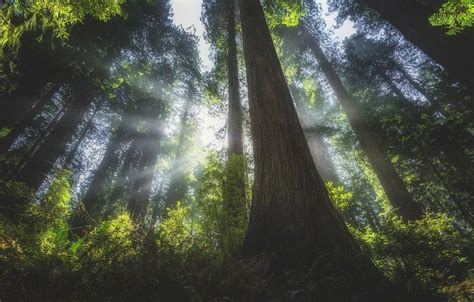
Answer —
391 182
410 17
291 213
37 168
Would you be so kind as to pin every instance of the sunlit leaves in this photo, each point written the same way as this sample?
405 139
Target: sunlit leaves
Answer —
339 196
177 230
284 12
110 242
55 15
422 255
454 15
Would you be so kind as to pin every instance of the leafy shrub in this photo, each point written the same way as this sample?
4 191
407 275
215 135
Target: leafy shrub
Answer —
422 255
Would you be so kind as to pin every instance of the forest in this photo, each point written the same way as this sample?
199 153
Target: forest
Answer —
319 150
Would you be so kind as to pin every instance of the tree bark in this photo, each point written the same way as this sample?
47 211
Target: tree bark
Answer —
391 182
291 213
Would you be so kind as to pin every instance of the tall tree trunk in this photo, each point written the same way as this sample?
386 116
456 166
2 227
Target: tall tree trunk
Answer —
234 132
142 185
106 167
291 213
122 182
68 161
27 118
141 188
410 17
391 182
177 187
37 168
320 153
442 143
234 184
90 205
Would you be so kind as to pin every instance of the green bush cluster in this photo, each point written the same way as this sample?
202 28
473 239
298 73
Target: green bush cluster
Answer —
183 257
426 255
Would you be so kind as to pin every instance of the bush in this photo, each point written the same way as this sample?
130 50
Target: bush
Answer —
423 255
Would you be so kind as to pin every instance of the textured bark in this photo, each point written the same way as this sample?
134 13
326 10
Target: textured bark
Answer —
37 168
410 17
291 213
391 182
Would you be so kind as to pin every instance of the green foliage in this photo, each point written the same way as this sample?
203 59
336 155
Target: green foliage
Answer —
4 132
283 12
107 245
177 232
55 15
454 15
423 255
339 196
235 204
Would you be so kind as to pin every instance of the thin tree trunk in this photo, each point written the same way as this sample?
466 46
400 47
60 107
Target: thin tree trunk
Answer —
121 183
291 213
177 187
234 132
141 188
451 150
391 182
142 185
234 184
410 17
68 161
27 118
37 168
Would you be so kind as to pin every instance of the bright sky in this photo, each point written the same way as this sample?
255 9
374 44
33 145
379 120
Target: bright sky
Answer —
187 13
